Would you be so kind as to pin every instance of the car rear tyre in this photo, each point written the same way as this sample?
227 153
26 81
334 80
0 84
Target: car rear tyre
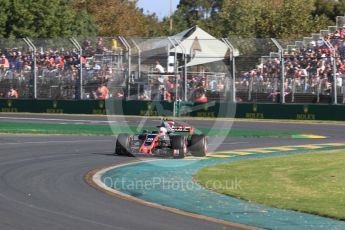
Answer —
179 144
123 145
198 145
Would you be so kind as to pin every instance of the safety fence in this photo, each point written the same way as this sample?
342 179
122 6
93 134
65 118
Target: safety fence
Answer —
189 66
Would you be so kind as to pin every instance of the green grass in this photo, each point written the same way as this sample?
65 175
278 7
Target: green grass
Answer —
45 128
312 183
106 130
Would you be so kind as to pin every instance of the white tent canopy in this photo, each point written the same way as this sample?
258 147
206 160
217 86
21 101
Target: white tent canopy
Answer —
201 47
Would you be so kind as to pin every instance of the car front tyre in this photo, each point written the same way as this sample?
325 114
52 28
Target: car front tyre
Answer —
123 145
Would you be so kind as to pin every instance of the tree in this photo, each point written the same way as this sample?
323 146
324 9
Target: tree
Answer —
119 17
256 18
262 18
330 8
40 18
194 12
152 27
4 9
297 19
199 9
84 24
179 23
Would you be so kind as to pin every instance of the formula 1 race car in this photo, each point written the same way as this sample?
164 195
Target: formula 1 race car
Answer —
165 142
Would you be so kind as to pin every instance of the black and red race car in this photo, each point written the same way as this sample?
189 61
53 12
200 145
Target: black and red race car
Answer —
167 141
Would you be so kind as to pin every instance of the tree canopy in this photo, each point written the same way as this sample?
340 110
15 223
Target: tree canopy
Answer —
258 18
40 18
222 18
120 17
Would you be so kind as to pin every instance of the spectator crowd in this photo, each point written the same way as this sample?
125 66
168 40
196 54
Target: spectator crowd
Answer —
57 67
307 69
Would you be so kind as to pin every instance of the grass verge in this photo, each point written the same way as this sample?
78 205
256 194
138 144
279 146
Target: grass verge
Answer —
312 183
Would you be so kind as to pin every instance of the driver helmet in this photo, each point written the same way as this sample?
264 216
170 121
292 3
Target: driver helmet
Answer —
163 131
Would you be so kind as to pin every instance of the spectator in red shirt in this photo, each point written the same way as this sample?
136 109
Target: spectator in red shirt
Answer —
102 92
4 63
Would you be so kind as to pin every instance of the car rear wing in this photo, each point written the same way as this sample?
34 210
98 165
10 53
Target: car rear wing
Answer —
183 128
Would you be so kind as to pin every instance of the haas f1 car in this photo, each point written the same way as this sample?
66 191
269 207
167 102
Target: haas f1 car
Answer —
167 141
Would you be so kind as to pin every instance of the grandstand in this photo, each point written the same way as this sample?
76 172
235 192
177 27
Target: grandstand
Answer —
197 67
312 70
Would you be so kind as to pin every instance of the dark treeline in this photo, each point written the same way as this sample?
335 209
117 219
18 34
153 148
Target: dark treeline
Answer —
222 18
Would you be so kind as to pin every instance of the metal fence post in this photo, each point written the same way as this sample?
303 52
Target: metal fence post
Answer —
80 49
184 68
175 69
129 49
334 63
335 93
139 57
318 92
129 54
250 89
233 68
34 62
343 92
282 71
293 89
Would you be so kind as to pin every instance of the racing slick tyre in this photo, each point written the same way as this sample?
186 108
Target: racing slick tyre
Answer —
198 145
179 144
123 145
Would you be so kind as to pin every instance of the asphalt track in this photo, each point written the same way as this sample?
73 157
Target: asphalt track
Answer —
42 177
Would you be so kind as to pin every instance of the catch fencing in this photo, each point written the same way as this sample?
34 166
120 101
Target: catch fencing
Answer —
190 66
